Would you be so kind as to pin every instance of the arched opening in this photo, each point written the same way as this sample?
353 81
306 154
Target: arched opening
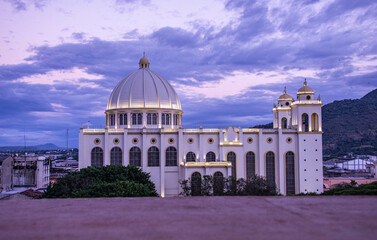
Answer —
139 119
167 119
153 157
154 119
250 165
163 119
231 157
218 183
210 157
290 172
97 157
270 168
284 123
196 184
305 122
190 157
171 156
135 156
134 119
116 156
121 119
315 126
149 118
125 119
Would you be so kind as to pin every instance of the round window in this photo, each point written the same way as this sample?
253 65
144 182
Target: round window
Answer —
116 141
97 141
210 140
287 103
250 140
135 140
308 97
171 140
153 140
289 140
190 140
269 140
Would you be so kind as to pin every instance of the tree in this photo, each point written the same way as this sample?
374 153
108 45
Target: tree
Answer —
107 181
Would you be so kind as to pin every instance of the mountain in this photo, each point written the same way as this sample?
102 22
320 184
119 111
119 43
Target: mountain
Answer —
349 126
47 146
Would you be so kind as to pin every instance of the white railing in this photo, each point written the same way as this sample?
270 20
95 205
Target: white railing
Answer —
206 164
94 130
256 130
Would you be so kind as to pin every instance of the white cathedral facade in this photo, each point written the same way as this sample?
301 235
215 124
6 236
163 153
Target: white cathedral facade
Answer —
144 128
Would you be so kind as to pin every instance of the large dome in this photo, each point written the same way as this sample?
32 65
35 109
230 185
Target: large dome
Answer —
143 89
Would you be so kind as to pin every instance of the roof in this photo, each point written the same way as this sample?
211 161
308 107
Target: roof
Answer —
144 89
305 89
285 96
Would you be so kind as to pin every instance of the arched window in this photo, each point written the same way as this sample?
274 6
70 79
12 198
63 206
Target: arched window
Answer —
116 156
250 165
290 172
120 119
153 157
149 118
270 168
139 119
171 156
112 120
135 157
196 184
218 183
315 122
163 119
176 119
125 119
154 119
210 157
97 157
190 157
305 122
284 123
134 119
167 119
231 157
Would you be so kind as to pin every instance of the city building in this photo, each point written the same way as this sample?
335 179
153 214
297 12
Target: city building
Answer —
6 166
144 127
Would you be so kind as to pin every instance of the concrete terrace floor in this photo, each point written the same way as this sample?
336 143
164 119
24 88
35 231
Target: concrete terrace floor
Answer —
349 217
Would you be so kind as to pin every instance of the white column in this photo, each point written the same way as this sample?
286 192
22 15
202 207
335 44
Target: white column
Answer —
260 163
126 161
201 143
106 151
221 149
162 165
144 150
180 152
280 184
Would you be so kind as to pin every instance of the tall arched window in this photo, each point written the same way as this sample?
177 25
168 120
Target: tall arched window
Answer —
149 118
210 157
112 119
290 172
270 168
167 119
315 122
135 157
139 119
305 122
250 165
218 183
284 123
153 157
116 156
190 157
163 119
97 157
196 184
134 119
125 119
154 119
121 119
171 156
231 157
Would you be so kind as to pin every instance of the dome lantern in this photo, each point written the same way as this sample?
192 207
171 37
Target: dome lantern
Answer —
144 62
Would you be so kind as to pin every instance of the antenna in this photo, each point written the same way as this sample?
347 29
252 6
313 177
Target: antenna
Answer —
67 139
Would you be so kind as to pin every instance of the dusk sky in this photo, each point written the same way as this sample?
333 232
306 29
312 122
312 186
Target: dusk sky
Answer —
228 61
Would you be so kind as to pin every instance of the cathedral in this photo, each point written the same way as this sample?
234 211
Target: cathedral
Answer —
144 128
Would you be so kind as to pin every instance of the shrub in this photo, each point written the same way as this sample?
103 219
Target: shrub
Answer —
107 181
351 189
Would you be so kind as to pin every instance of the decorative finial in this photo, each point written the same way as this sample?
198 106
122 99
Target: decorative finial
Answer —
319 97
305 83
285 90
274 105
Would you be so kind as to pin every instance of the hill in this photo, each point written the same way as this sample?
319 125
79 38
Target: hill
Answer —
349 126
47 146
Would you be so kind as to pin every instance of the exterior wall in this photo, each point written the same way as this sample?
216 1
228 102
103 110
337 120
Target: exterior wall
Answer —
42 174
307 149
6 169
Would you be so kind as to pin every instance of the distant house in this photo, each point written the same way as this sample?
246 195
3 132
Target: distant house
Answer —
6 166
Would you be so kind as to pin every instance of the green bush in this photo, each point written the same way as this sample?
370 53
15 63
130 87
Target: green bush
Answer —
107 181
351 189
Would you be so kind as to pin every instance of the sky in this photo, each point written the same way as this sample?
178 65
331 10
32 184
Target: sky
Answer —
228 61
